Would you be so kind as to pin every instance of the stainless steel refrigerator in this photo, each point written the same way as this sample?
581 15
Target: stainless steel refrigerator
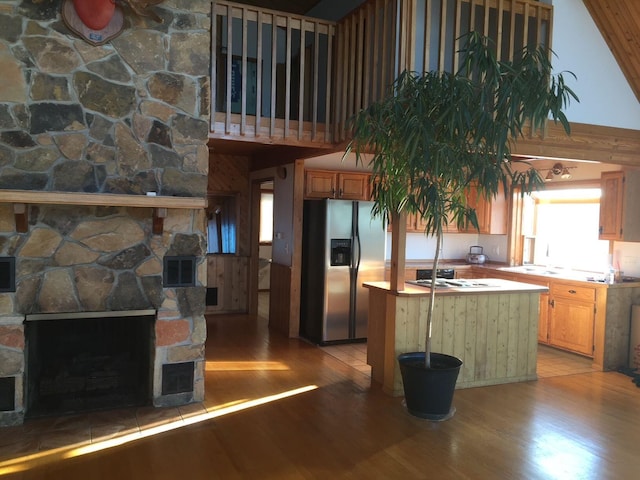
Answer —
342 247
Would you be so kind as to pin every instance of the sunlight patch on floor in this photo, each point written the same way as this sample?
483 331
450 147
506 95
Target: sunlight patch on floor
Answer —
27 462
244 366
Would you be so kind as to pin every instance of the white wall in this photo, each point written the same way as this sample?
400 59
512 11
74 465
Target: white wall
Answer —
605 96
455 246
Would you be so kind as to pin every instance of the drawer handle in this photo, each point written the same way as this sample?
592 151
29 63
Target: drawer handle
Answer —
572 292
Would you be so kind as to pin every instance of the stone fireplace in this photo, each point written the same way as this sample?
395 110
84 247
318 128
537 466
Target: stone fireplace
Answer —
103 176
93 270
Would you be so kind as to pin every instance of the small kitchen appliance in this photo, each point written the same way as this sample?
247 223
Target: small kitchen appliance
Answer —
475 255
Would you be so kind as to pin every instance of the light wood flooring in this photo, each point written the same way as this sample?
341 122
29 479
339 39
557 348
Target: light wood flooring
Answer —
551 361
279 408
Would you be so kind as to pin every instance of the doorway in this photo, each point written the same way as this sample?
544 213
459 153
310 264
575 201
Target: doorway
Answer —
262 242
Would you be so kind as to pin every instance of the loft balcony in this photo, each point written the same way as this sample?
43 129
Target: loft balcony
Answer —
284 79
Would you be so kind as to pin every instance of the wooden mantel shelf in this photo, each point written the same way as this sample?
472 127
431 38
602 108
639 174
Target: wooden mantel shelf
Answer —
159 204
100 199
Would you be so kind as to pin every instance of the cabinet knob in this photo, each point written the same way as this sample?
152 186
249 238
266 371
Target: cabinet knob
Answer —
572 292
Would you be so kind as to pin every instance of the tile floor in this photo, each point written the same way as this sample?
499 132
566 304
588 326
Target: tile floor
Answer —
75 431
555 363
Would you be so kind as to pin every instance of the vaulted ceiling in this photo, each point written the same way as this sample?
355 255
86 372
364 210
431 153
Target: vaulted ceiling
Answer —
619 24
299 7
617 20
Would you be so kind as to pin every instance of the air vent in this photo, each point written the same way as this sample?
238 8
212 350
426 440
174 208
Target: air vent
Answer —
212 296
179 271
177 378
7 274
7 394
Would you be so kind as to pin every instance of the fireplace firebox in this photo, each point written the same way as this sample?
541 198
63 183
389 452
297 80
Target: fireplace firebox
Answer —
87 361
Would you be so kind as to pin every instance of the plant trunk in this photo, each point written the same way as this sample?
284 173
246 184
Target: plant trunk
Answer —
432 298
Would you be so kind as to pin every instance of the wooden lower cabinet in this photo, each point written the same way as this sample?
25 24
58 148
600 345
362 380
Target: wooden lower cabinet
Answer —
572 316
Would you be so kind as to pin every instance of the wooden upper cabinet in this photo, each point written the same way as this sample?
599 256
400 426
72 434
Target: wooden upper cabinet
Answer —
620 197
320 184
331 184
492 214
353 186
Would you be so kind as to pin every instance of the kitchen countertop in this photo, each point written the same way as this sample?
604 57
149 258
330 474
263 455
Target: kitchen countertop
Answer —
482 286
590 278
546 273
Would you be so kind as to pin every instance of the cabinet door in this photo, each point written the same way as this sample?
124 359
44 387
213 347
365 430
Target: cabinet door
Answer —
465 272
543 319
612 185
491 214
353 186
320 184
571 325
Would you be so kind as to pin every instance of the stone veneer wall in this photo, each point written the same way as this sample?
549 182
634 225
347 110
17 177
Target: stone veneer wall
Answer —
128 117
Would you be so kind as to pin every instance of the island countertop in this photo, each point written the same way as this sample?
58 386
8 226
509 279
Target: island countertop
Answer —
478 286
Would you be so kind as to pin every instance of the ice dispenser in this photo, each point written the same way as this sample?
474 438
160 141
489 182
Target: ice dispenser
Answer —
340 252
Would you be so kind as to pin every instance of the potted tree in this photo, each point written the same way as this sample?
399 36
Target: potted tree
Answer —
434 136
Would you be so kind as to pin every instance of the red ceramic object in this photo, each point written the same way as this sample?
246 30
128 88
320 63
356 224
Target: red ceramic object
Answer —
95 14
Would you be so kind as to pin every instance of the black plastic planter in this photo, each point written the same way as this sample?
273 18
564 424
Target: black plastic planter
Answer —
429 392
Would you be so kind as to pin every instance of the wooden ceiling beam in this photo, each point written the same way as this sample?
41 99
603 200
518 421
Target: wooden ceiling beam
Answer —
619 146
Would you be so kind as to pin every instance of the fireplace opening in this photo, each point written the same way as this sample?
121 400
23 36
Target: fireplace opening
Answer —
95 362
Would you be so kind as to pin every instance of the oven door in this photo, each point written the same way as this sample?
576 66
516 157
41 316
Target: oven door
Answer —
425 273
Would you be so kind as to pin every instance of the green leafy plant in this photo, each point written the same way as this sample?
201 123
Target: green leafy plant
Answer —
437 133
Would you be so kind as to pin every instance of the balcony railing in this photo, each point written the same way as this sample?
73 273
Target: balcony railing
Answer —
280 78
272 75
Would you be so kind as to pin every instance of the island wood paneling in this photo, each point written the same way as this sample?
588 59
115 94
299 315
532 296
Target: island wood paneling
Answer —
495 335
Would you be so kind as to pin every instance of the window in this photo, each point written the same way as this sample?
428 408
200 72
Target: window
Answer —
221 227
266 217
565 230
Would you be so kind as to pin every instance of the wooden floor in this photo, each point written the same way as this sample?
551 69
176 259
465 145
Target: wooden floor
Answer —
331 423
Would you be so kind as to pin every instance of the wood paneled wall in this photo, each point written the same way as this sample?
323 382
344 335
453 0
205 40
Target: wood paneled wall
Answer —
229 274
280 299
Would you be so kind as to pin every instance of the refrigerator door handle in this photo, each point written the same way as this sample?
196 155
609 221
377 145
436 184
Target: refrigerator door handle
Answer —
356 253
353 270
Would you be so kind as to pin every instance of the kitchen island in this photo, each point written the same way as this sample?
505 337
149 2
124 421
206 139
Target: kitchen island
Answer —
492 326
